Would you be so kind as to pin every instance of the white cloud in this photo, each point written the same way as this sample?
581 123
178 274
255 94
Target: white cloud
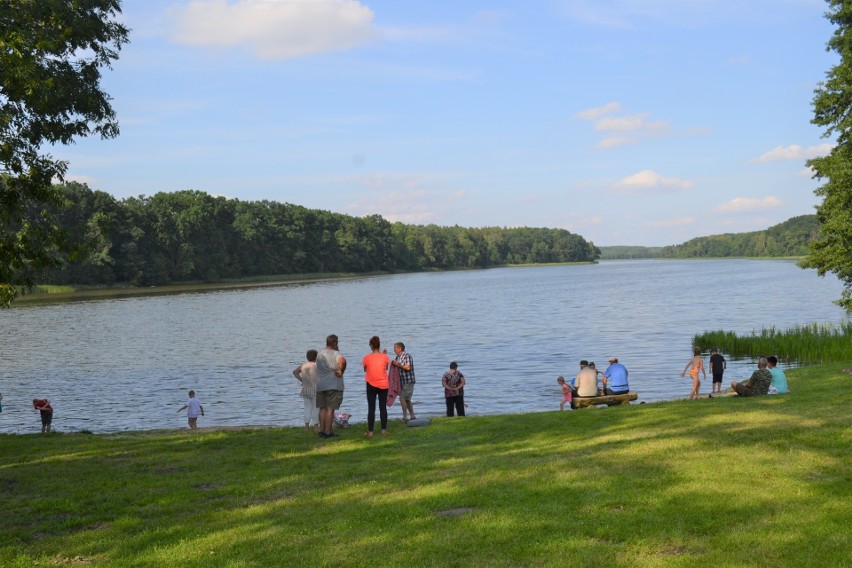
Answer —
748 204
648 182
614 142
597 112
794 152
638 125
275 29
675 222
400 197
621 123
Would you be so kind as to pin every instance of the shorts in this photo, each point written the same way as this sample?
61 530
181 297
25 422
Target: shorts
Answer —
46 418
717 378
329 399
406 391
743 390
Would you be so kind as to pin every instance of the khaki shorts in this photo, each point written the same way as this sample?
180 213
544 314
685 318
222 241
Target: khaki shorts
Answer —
406 391
329 399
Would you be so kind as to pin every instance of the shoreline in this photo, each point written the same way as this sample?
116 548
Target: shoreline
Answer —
727 393
95 293
126 291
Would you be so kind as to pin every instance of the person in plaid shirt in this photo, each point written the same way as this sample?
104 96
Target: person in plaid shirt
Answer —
405 364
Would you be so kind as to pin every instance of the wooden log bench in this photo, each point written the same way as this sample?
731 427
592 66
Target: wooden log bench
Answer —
609 400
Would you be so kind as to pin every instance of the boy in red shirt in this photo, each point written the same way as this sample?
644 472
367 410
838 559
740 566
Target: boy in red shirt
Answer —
43 406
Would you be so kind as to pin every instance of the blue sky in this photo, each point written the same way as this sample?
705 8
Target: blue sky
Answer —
641 122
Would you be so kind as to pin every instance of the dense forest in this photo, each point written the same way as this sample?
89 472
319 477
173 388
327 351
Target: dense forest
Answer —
189 236
790 238
626 252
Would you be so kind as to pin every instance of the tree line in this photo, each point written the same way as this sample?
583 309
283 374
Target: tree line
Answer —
189 236
790 238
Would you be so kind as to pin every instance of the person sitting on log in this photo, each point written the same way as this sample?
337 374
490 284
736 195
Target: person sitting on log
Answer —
615 378
586 383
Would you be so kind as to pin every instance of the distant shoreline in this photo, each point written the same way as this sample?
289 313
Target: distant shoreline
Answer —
84 294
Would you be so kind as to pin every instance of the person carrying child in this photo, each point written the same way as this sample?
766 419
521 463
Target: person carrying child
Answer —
193 409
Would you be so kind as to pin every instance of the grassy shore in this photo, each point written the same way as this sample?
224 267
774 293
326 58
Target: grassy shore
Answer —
44 293
721 482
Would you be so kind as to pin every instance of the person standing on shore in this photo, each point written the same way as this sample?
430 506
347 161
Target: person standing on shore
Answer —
306 373
567 395
695 366
330 368
376 376
46 411
405 364
453 383
193 410
717 369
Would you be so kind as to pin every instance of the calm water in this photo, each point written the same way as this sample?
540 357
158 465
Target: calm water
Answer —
126 364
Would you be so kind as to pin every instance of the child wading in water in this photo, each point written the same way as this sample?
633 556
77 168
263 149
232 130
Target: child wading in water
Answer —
695 366
566 392
194 408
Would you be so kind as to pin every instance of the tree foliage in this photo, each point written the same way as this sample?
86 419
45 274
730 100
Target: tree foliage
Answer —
51 56
191 236
832 252
790 238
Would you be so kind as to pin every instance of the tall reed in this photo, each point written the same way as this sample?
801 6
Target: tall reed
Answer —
813 343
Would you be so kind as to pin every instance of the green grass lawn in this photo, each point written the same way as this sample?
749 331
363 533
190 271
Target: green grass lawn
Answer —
721 482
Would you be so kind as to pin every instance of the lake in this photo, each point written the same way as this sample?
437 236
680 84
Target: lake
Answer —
126 364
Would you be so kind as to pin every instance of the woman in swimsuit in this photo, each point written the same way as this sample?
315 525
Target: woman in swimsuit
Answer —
695 366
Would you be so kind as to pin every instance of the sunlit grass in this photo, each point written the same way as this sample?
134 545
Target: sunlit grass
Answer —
666 484
814 343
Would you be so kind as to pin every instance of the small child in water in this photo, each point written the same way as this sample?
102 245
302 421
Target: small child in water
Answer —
194 408
566 392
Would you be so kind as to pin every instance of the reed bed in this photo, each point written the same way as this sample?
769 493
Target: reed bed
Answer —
805 344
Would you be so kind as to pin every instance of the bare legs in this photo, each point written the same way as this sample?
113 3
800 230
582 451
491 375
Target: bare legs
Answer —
696 385
407 410
326 418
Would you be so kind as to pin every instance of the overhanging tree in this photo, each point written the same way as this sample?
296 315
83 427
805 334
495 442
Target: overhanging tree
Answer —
832 251
51 56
